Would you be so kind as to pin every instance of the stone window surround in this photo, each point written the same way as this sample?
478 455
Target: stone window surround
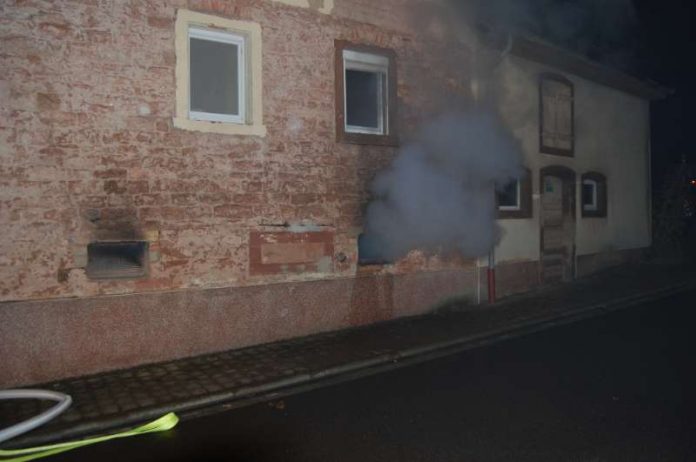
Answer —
252 33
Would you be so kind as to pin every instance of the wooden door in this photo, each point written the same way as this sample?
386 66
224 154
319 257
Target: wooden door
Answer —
557 228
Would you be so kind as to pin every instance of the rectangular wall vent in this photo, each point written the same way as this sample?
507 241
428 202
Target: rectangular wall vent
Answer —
117 260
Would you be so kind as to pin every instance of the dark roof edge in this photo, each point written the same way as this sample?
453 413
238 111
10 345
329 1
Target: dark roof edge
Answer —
542 52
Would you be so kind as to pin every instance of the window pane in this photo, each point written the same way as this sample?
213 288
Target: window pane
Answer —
588 194
363 99
508 196
214 77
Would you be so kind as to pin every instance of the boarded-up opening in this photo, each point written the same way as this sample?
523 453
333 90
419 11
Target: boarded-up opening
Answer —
556 125
287 252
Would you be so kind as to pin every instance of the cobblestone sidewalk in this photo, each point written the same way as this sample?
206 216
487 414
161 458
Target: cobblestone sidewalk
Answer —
122 398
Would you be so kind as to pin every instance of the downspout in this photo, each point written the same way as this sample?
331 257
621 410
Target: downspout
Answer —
491 277
491 255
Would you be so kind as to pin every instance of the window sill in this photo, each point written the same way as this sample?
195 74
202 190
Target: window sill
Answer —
367 139
219 127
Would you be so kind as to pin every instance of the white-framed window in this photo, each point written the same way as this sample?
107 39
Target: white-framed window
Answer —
589 195
509 197
217 74
365 96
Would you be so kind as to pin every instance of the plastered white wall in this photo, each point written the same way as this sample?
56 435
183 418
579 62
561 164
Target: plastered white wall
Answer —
612 137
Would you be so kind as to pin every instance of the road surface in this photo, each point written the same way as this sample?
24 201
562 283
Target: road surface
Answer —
615 388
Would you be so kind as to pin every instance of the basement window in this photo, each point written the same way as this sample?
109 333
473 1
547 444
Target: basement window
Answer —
117 260
365 94
218 75
368 251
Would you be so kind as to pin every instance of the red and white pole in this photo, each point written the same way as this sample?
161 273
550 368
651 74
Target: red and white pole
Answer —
491 277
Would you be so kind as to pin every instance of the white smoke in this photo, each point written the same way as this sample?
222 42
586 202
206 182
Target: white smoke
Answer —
438 195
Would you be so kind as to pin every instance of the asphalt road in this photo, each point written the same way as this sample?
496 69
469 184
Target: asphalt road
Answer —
616 388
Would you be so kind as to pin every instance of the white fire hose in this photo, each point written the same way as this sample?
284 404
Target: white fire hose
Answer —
62 403
164 423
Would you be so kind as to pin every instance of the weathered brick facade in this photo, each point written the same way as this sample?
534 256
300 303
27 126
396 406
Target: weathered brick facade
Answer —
89 152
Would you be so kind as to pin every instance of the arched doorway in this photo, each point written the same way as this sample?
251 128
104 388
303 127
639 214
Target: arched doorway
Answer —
557 224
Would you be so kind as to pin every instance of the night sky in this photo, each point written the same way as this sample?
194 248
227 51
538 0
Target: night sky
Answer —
667 41
651 39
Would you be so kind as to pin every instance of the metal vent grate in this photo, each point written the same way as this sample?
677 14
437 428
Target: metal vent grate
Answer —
116 260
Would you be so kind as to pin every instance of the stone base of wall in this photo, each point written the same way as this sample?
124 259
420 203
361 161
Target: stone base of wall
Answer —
516 277
589 264
46 340
51 339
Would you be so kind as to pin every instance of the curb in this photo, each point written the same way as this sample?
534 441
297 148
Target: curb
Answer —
218 402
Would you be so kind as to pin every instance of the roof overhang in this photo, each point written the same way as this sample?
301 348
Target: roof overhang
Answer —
536 50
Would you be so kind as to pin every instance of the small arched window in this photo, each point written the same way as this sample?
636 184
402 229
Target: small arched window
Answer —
594 195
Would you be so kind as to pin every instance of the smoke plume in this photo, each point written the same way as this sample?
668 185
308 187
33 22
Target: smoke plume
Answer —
438 194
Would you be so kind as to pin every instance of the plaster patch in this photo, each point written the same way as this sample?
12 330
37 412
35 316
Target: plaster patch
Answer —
325 264
295 125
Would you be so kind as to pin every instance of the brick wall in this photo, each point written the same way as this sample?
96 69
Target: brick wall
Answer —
88 150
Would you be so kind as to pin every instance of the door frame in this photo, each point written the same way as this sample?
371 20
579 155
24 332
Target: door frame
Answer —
569 198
